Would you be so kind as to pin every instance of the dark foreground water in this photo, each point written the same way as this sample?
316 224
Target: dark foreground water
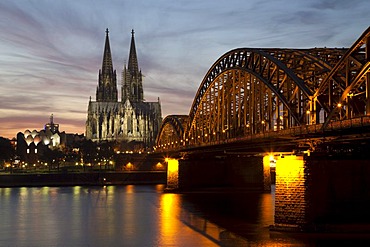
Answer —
136 215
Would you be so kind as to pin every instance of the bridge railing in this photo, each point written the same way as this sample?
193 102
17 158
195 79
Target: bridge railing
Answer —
357 122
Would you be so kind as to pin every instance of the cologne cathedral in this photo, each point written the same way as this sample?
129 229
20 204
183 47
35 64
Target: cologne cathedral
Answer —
129 120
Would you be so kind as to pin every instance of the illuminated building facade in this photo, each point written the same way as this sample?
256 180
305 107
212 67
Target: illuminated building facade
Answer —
32 144
129 120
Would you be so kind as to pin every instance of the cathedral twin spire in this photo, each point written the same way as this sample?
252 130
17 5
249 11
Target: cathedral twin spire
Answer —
132 80
107 86
132 88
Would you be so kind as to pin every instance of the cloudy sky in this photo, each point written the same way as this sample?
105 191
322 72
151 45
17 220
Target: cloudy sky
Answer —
51 51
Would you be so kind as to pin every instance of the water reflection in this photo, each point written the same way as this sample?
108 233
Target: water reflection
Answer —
137 216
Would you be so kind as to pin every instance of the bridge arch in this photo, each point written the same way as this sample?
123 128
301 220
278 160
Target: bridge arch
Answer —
249 91
347 86
171 133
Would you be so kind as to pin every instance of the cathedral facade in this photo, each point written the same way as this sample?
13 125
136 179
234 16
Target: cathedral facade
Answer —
128 120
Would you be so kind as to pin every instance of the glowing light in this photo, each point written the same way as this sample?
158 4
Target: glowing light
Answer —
172 173
292 186
129 166
289 168
158 166
308 112
272 158
339 105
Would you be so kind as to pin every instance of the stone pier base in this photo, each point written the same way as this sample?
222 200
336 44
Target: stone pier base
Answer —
229 171
319 193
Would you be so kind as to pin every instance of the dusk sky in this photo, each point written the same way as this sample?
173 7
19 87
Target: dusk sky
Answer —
51 51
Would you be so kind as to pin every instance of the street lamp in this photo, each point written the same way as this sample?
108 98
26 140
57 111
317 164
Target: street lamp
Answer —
339 105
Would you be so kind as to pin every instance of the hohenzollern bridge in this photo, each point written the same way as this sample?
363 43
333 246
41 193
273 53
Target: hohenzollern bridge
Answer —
303 112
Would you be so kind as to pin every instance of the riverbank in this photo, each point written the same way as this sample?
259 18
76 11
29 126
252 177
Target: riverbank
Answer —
82 178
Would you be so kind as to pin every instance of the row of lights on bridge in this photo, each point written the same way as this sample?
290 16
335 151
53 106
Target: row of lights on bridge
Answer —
205 135
339 105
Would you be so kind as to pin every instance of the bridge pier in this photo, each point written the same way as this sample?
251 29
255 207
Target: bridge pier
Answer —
226 171
321 194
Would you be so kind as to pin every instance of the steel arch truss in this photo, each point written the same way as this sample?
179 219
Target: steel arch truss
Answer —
172 131
345 91
250 91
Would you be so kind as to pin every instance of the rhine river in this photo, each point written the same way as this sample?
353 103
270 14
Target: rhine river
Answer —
141 215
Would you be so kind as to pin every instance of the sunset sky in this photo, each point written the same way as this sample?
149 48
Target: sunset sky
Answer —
51 51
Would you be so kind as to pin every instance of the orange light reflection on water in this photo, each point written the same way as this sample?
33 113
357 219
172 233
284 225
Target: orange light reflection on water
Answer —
169 228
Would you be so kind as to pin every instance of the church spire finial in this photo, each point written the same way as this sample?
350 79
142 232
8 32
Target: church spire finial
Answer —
107 66
107 87
132 87
133 66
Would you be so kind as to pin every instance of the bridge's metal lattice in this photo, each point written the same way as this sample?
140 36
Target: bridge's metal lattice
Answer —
249 91
172 131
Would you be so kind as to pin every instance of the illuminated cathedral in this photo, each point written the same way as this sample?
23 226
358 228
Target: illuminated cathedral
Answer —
130 120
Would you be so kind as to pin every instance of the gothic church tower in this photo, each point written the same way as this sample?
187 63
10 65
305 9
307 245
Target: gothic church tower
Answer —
107 86
128 121
132 79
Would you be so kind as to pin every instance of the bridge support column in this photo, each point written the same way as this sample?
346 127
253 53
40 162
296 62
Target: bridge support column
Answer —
228 171
321 194
290 192
172 174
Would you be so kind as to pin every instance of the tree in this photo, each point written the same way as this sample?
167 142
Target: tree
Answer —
6 150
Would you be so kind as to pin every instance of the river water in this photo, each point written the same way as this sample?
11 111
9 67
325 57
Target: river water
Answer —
140 215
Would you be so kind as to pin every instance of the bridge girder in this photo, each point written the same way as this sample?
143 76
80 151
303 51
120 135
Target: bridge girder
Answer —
249 91
171 133
347 86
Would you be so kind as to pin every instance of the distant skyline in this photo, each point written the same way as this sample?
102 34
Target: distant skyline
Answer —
51 51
